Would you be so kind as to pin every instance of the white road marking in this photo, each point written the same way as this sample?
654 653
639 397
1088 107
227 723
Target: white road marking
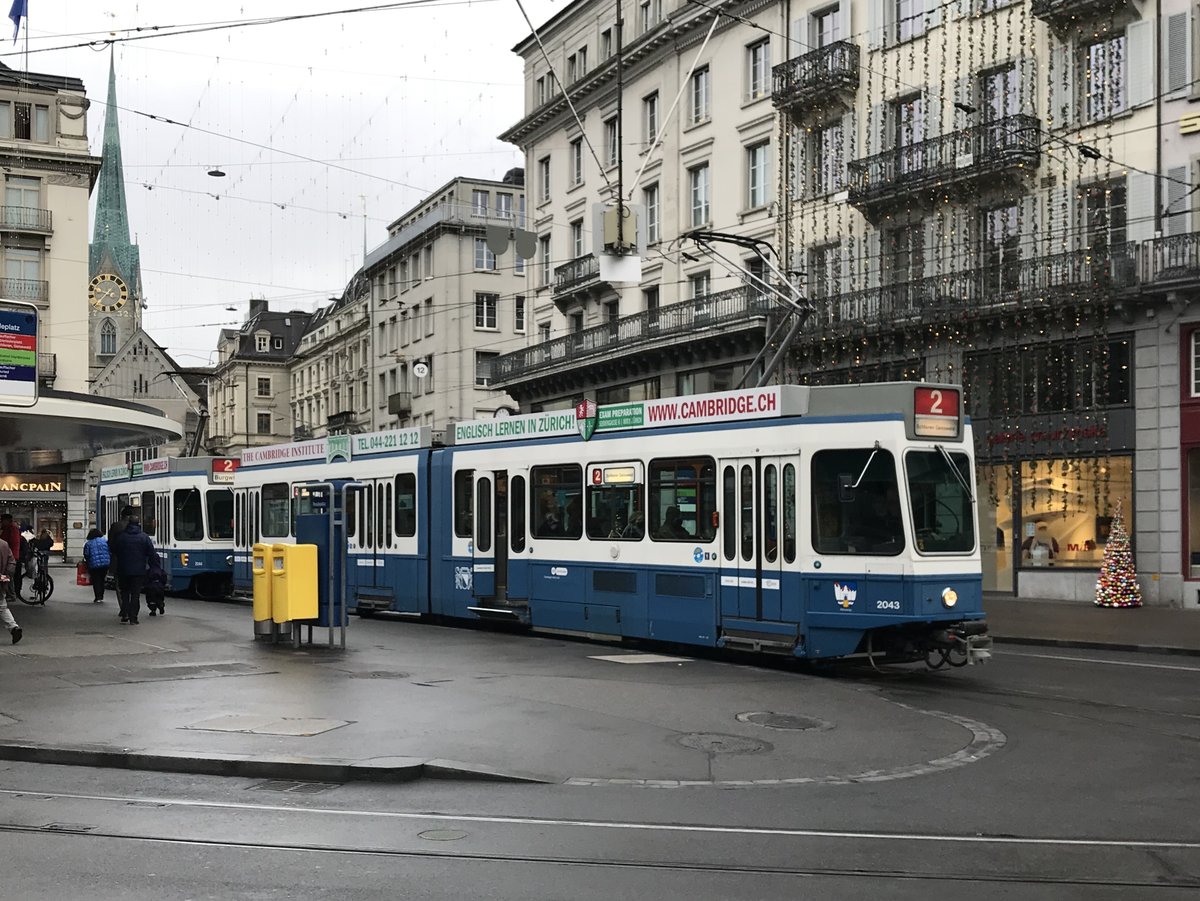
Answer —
630 826
1166 666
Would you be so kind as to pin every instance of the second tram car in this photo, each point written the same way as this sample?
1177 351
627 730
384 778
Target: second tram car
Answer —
186 506
819 522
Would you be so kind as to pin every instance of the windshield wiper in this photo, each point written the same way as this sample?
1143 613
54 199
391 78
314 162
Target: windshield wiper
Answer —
866 465
954 469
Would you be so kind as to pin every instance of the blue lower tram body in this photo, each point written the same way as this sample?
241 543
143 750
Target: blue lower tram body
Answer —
806 616
205 572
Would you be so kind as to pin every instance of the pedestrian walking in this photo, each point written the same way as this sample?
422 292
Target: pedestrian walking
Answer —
7 593
10 534
115 529
131 551
98 558
156 584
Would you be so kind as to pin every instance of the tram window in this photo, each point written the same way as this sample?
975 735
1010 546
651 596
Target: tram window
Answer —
516 503
683 498
189 515
464 511
862 520
148 517
943 517
557 505
483 509
383 524
616 512
220 513
239 519
746 492
276 510
122 502
351 512
770 486
406 505
729 526
789 513
367 511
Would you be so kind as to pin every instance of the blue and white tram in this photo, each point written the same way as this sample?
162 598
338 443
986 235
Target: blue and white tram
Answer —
186 506
817 522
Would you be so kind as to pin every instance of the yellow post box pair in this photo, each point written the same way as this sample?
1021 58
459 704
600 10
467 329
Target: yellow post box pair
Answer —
285 582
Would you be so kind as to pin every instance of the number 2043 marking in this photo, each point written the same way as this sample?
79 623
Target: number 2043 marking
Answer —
887 605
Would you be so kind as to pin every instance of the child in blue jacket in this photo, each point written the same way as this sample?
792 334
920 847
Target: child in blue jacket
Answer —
98 558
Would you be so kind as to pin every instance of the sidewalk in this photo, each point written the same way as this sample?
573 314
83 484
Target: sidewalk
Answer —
1168 630
193 692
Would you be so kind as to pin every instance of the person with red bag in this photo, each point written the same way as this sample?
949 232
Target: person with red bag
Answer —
98 558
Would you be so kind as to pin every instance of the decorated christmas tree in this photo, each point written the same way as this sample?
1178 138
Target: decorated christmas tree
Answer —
1118 584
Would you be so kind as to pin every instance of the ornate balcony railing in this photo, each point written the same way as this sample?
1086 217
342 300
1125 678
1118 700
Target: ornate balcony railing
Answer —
815 77
572 276
962 156
628 334
30 289
1170 261
26 219
1058 12
1001 286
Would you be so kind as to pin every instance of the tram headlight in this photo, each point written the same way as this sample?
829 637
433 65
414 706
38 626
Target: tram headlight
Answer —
949 597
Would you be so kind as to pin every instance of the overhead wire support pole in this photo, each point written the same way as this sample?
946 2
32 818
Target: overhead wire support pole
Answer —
620 26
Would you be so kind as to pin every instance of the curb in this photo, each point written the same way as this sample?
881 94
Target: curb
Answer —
1099 645
300 769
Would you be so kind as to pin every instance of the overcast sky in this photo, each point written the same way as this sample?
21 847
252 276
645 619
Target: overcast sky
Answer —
322 125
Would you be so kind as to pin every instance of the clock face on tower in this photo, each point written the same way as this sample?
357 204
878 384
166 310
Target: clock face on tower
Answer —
107 292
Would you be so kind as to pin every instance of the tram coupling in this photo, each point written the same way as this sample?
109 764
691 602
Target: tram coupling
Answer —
961 644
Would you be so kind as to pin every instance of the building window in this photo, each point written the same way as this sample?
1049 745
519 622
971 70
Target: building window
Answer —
577 239
649 14
479 203
519 315
999 94
1066 524
611 147
518 263
699 189
1104 215
264 387
650 118
277 343
606 43
543 331
826 26
650 200
757 174
504 206
544 256
544 179
263 423
1103 66
483 368
25 121
758 60
108 337
698 110
824 271
484 258
827 145
577 162
572 69
1000 252
699 284
485 310
910 18
582 57
262 343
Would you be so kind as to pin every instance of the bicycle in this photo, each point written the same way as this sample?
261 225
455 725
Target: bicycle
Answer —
42 584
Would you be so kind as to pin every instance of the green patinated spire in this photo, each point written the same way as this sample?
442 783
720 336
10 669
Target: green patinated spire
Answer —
110 246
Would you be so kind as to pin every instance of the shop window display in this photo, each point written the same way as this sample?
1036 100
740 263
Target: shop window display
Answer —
1066 509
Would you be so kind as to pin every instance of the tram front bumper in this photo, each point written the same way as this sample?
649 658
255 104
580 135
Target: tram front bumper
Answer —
968 638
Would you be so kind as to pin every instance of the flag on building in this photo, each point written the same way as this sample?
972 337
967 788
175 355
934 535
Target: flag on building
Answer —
20 10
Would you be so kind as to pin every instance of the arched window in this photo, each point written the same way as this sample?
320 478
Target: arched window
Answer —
108 337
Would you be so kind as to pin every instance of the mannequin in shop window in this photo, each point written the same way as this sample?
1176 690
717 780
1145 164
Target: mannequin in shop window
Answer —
1041 547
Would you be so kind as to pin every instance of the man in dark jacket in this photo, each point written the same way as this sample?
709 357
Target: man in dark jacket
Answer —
114 529
10 533
131 551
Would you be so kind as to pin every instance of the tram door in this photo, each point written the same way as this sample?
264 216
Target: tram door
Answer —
490 545
369 530
758 534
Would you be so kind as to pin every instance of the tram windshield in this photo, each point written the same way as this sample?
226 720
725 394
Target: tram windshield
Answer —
943 517
856 502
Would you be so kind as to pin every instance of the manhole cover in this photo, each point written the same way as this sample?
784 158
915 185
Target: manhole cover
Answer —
788 722
442 835
716 743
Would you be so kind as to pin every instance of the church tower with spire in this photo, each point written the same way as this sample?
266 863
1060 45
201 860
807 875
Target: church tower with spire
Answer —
114 265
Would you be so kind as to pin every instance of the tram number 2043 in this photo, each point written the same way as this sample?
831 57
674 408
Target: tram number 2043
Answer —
887 605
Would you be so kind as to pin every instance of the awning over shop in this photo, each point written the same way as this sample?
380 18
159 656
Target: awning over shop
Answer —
65 427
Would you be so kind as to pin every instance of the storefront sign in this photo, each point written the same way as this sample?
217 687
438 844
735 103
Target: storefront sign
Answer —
18 353
31 483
